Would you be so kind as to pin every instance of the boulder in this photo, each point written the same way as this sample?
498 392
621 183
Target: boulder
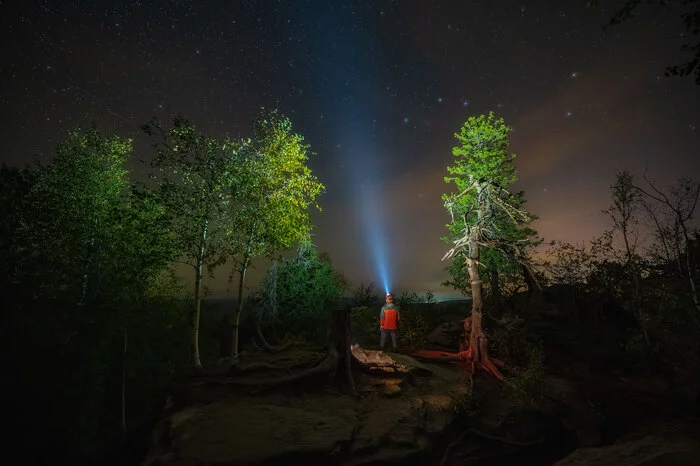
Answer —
577 411
234 434
446 336
672 443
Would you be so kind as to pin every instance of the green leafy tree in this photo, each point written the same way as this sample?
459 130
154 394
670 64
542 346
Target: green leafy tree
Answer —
484 215
297 292
271 209
74 205
505 270
195 175
85 248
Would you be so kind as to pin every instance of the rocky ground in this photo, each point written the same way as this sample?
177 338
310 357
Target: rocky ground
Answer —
412 412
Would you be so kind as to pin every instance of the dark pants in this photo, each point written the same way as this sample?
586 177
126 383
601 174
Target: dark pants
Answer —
383 338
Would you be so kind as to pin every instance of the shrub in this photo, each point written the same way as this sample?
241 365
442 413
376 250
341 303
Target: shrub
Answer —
526 386
364 325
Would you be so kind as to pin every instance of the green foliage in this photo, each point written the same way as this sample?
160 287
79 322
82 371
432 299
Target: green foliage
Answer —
271 208
364 325
412 328
86 255
511 340
194 174
526 386
71 221
297 293
367 295
483 212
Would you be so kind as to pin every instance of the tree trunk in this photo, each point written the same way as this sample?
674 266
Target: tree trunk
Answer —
530 281
476 354
124 386
239 309
196 360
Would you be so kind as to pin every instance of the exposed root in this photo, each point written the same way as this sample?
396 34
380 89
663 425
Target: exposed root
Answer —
466 358
272 348
328 366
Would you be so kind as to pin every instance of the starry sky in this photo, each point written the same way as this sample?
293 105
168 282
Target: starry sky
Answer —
378 88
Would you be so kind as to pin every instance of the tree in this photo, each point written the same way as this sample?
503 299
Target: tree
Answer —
271 210
73 206
195 178
484 215
679 202
84 249
690 16
297 292
623 213
503 269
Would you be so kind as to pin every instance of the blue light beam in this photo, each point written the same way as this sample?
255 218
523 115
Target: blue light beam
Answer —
373 217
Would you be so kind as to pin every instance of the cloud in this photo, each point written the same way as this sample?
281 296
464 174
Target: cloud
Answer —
577 120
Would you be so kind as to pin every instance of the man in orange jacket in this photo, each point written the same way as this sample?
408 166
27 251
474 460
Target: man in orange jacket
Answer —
389 320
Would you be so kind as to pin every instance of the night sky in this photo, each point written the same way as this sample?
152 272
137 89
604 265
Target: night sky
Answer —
378 89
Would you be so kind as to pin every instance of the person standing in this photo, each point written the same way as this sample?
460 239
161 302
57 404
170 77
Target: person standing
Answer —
389 320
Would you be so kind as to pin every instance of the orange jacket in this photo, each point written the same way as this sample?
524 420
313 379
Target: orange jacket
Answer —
389 317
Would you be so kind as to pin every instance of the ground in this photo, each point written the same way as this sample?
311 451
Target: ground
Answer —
590 410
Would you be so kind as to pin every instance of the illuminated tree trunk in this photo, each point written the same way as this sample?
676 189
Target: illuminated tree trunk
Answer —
239 309
197 361
124 386
477 352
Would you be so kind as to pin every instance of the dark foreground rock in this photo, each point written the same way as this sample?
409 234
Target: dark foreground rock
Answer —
394 420
671 443
415 413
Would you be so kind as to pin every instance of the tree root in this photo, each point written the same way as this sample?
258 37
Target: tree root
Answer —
485 364
240 369
272 348
328 366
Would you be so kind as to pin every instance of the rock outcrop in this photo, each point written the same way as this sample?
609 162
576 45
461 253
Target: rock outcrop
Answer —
661 444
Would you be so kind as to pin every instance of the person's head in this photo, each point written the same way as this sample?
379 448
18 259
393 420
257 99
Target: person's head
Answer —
389 298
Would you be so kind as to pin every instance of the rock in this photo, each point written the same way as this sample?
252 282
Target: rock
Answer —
576 409
387 425
415 367
235 434
392 390
676 443
446 336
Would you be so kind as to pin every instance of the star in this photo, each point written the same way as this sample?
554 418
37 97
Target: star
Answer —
405 120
